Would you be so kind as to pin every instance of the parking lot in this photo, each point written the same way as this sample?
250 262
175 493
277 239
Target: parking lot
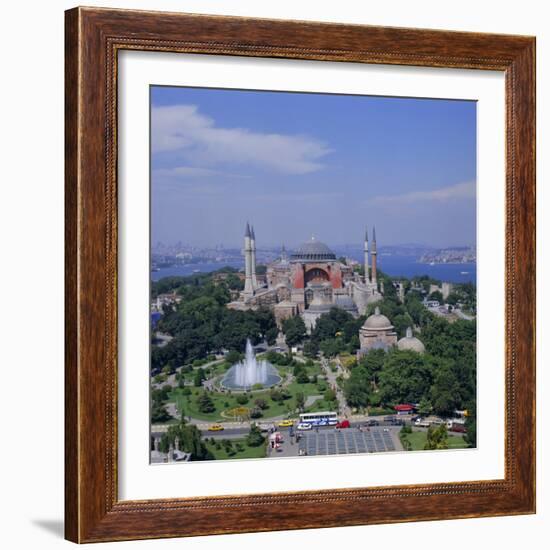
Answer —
340 442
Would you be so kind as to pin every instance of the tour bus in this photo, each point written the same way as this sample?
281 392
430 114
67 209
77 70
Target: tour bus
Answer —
319 418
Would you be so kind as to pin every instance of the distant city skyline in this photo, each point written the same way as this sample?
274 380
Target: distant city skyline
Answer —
296 165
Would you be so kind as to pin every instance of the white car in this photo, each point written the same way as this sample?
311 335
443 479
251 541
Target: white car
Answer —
303 426
420 422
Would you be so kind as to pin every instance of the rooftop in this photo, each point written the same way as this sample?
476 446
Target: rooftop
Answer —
313 250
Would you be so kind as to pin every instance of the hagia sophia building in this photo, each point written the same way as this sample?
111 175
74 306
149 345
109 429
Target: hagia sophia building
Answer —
311 281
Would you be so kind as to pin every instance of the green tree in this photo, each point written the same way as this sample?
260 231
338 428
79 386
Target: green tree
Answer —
416 310
271 335
372 362
335 321
190 441
159 413
436 438
453 298
254 437
205 403
233 357
446 391
405 378
302 377
300 400
199 377
279 395
357 388
261 403
436 295
329 395
401 322
471 424
256 412
242 399
424 407
332 347
311 348
295 330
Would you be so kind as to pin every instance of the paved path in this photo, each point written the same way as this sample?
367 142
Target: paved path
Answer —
310 399
463 315
343 408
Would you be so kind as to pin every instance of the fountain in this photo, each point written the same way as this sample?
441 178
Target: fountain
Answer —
247 373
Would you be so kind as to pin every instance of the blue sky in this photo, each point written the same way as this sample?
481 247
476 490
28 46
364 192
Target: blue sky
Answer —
297 165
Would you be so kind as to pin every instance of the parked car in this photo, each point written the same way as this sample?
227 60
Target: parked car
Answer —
437 422
303 426
343 424
286 423
455 421
421 423
458 427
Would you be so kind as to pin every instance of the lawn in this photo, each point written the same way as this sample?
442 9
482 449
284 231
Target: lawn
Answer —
247 452
226 401
322 405
418 440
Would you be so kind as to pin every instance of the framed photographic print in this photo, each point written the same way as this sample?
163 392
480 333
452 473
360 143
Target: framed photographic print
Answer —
300 275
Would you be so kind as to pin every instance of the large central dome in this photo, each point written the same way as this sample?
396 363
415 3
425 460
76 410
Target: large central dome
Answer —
313 251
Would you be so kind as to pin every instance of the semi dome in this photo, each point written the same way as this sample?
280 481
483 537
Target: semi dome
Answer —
313 251
411 343
377 321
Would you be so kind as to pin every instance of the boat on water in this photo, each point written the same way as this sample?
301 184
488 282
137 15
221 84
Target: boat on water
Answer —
196 270
464 272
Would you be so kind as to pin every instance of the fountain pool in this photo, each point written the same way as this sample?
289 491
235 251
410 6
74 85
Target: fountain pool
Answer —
250 371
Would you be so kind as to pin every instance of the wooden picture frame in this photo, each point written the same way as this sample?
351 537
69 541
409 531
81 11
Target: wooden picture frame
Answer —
93 510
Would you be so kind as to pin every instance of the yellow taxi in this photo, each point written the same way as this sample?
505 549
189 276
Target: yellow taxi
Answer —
215 428
286 423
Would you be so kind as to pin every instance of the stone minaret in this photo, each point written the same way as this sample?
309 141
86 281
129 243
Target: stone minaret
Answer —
401 292
248 288
253 258
373 254
366 249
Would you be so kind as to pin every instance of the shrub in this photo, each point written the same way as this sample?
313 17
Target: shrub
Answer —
242 399
254 437
261 403
256 413
302 377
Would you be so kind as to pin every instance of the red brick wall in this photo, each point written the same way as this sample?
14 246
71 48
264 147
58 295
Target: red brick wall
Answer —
297 276
336 276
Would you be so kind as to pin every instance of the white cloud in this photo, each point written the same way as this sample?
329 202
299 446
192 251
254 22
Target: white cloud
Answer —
196 138
187 172
466 190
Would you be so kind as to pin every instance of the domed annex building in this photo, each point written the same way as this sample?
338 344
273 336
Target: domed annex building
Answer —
411 343
376 333
309 282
